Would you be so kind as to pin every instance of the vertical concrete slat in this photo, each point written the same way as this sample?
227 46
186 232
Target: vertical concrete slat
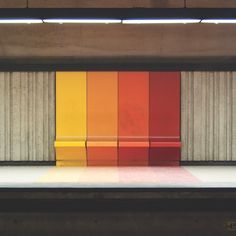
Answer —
23 115
7 98
39 109
51 114
184 118
222 116
233 116
210 121
188 119
15 116
204 114
216 117
46 113
2 116
197 86
228 116
30 115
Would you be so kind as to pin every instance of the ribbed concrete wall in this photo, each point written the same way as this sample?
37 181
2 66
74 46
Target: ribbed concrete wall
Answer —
27 116
208 110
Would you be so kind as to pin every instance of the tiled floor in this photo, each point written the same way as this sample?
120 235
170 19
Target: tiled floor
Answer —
48 176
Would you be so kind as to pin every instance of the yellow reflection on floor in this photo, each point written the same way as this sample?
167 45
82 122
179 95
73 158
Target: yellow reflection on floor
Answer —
99 175
62 175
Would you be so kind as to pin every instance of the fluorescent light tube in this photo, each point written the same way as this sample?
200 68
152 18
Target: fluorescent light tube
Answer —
20 21
160 21
83 21
219 21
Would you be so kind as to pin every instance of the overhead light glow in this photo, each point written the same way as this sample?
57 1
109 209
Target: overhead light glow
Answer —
83 21
160 21
219 21
20 21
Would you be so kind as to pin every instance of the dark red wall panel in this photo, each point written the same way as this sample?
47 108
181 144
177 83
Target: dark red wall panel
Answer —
164 106
164 120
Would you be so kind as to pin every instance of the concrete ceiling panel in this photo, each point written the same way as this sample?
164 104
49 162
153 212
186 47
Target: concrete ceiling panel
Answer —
13 3
105 3
211 3
114 41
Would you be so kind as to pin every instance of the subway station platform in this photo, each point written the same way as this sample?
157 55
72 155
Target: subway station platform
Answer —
124 200
118 177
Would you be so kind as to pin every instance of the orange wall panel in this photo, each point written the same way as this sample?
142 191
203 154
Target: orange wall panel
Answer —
102 119
102 102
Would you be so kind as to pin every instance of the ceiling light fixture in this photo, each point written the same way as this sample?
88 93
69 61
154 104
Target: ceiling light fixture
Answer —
219 21
83 21
21 21
161 21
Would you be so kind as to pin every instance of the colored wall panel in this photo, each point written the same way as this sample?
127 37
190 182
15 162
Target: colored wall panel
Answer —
133 105
70 163
164 124
66 150
164 163
133 117
102 106
102 153
71 117
71 106
133 153
165 106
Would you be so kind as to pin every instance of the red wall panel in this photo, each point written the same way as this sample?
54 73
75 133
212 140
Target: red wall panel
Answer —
164 126
133 124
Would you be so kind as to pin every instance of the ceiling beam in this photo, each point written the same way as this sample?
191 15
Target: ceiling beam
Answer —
211 3
13 3
117 41
106 3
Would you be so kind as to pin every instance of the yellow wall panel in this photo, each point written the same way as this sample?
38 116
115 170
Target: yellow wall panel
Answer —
71 118
70 150
70 106
71 163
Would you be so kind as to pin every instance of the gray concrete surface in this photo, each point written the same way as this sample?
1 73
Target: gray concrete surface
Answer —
208 116
27 116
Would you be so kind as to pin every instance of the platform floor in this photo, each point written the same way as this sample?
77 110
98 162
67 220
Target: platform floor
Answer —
120 177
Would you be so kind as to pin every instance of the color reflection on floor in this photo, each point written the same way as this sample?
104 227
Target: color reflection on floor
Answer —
140 177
